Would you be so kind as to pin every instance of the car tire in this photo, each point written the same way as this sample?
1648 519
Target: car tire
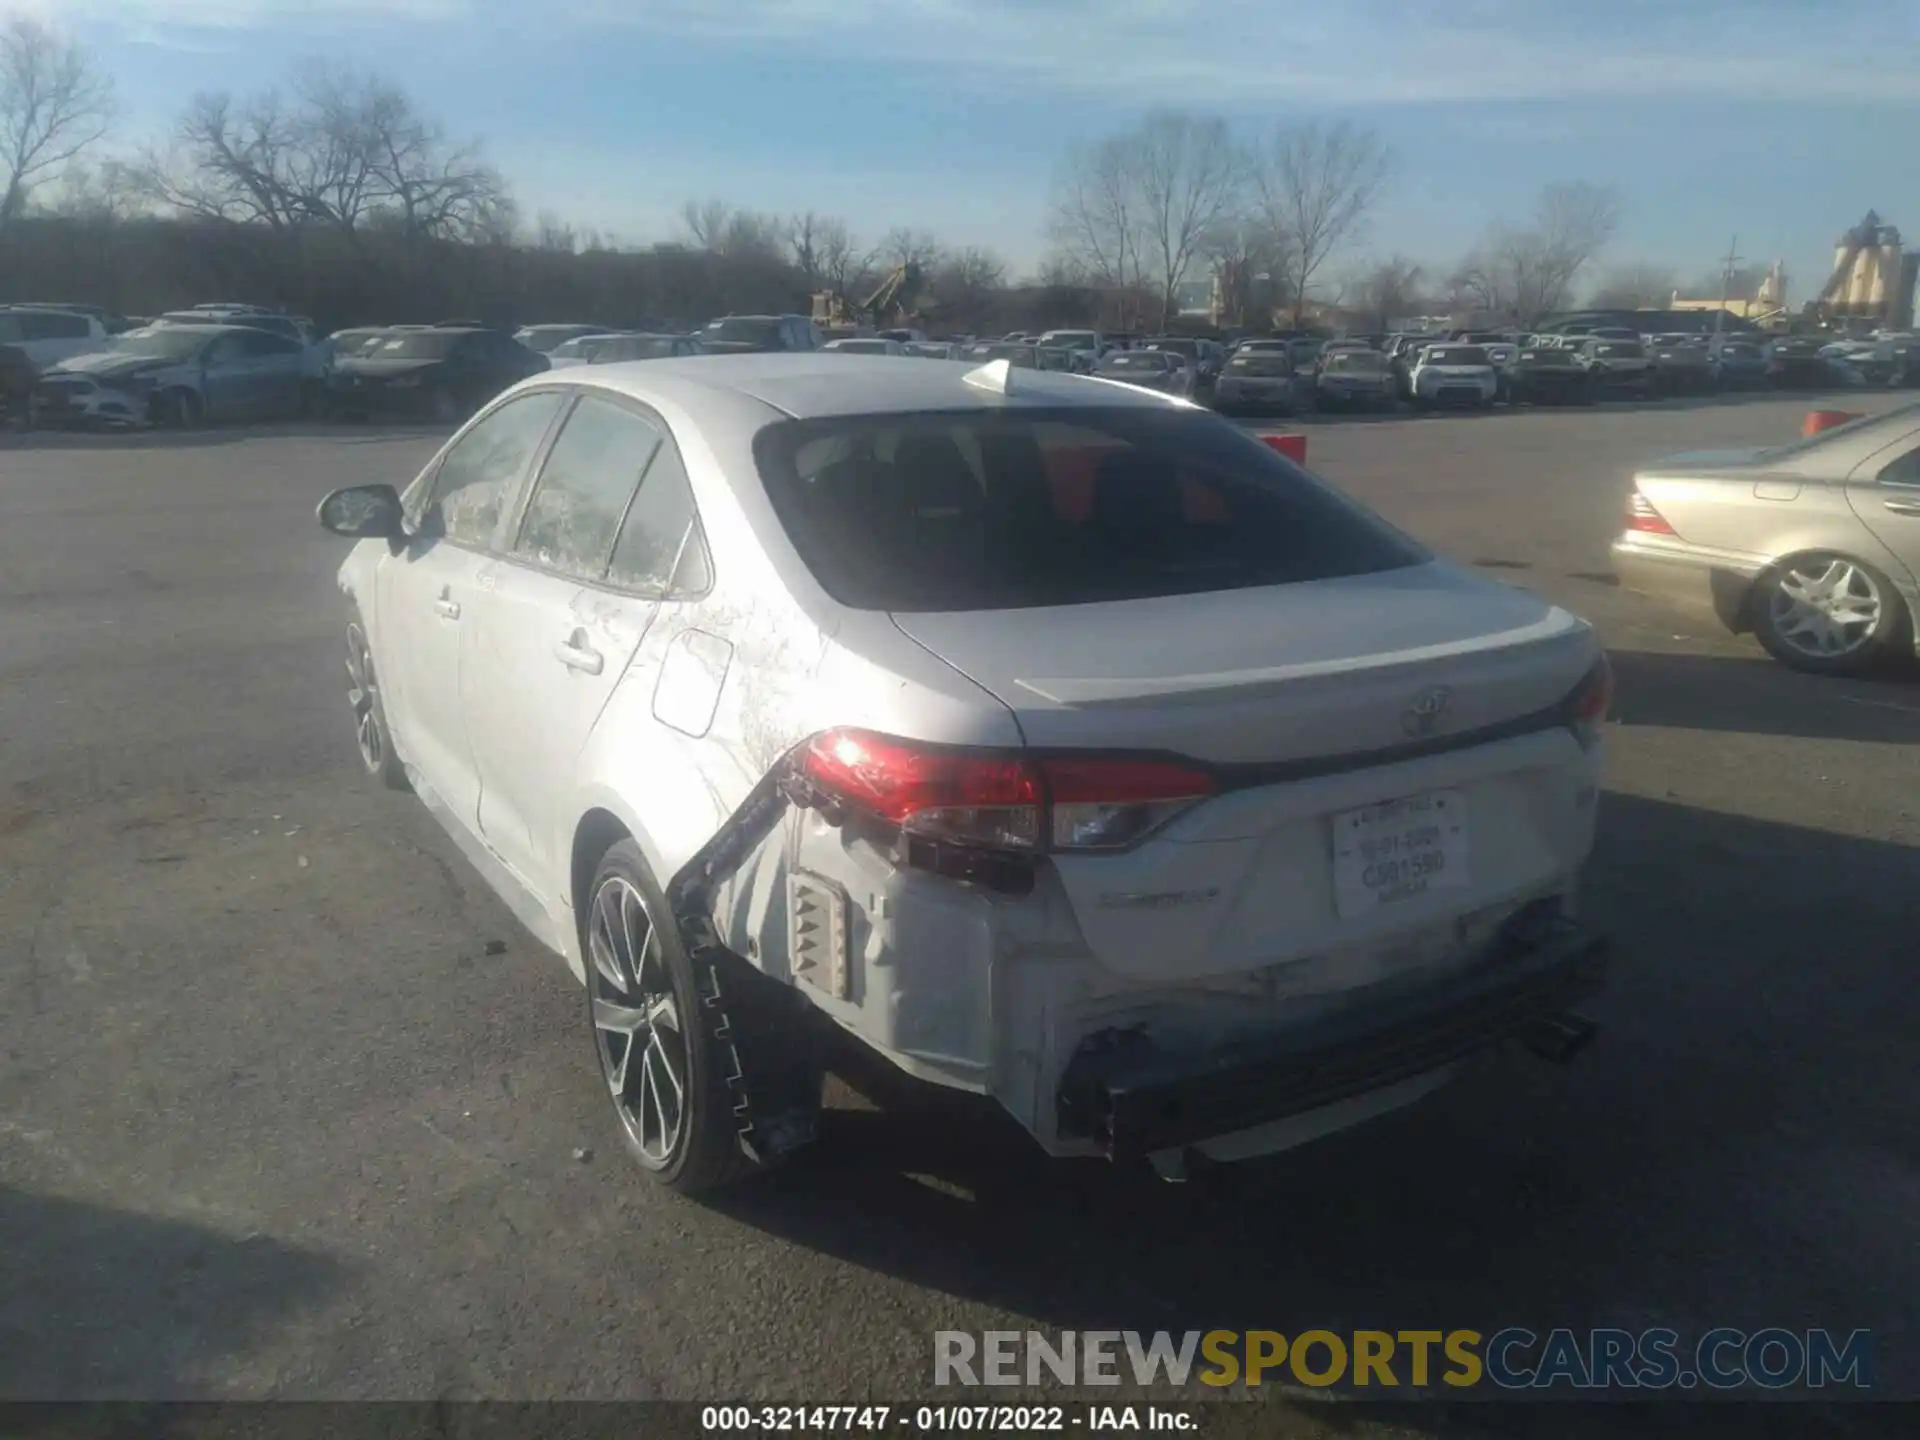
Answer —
1789 602
640 977
372 735
179 409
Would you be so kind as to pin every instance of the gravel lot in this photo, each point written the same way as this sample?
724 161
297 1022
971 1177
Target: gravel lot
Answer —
289 1107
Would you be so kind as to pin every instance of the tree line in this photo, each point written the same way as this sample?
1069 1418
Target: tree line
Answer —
332 194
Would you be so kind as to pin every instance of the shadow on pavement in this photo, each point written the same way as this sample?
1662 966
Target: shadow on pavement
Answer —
1760 696
1754 1086
106 1304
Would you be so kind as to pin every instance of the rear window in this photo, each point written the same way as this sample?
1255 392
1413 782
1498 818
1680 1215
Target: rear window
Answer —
1188 348
1358 361
1457 355
1619 350
1261 362
987 510
1138 360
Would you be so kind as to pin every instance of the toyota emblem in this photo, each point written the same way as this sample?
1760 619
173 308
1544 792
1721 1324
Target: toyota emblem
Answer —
1423 716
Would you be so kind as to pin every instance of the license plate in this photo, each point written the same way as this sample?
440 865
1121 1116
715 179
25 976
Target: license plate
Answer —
1399 850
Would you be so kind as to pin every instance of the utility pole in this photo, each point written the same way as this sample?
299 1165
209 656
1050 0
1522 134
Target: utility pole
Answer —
1726 286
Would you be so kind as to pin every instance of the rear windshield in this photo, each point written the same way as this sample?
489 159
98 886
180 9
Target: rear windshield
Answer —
635 347
1188 348
985 510
1137 360
1368 361
744 330
1456 355
1619 350
1261 362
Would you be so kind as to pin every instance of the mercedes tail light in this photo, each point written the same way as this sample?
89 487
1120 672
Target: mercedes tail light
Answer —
1001 800
1644 519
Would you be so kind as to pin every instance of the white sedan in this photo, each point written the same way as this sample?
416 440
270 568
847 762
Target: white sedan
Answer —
1455 375
1056 740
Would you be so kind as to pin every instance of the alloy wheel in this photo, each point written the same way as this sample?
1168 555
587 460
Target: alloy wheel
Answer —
1825 609
365 696
636 1021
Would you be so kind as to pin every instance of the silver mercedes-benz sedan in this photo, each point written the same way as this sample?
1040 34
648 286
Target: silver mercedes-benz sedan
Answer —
1053 739
1813 546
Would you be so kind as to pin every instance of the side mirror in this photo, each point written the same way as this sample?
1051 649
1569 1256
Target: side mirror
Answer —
363 512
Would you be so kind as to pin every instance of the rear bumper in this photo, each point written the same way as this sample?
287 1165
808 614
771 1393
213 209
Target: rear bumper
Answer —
1698 580
1132 1099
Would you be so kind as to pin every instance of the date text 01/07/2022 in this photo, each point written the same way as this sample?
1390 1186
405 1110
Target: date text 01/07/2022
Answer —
922 1419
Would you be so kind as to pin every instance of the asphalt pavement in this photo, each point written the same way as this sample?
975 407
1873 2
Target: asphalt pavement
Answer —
290 1107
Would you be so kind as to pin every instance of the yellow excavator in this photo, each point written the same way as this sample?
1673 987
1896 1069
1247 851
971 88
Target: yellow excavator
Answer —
895 301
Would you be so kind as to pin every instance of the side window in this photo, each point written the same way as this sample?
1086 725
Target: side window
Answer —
1904 471
227 349
585 487
47 325
660 547
479 475
258 343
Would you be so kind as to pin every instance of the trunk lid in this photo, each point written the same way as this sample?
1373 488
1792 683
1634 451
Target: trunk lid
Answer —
1312 702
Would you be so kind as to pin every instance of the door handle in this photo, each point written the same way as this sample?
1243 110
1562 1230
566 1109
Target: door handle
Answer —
576 654
1904 507
446 609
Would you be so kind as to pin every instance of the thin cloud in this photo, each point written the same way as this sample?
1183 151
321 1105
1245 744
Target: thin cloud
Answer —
1367 52
1225 53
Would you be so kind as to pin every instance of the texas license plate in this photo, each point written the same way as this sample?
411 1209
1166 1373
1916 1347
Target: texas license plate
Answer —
1398 850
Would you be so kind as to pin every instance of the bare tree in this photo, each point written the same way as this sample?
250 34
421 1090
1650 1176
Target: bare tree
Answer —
1525 272
965 280
553 234
904 245
1637 286
705 222
1317 185
342 149
1387 290
1251 262
1095 218
1186 171
53 106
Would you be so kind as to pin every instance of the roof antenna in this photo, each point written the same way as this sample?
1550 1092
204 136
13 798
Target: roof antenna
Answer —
995 375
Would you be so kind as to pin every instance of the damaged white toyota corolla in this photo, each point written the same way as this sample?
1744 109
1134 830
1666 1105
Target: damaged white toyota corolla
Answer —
1054 738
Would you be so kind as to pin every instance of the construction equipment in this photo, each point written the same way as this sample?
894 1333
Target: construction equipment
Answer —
1872 280
894 302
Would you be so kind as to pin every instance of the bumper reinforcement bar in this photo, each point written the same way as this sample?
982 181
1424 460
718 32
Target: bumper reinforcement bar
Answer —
1134 1098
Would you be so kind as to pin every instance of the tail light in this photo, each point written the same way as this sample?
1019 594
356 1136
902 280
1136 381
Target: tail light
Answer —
1642 517
1001 800
1590 702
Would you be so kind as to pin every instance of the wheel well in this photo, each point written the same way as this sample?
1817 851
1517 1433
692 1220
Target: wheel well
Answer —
597 832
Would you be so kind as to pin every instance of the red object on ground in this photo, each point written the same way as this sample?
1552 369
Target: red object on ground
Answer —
1294 447
1818 420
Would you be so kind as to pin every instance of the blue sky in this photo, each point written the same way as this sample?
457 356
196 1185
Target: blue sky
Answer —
1781 121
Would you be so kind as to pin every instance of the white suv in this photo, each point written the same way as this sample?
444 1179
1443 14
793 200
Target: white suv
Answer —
47 337
1055 740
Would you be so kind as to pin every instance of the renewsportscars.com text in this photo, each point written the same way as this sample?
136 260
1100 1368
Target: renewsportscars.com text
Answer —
1508 1359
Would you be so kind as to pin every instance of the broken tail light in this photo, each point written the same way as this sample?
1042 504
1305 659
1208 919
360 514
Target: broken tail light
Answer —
1590 702
1642 517
1002 800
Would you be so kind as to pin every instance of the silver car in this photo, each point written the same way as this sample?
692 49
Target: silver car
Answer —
1057 741
178 375
1813 546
